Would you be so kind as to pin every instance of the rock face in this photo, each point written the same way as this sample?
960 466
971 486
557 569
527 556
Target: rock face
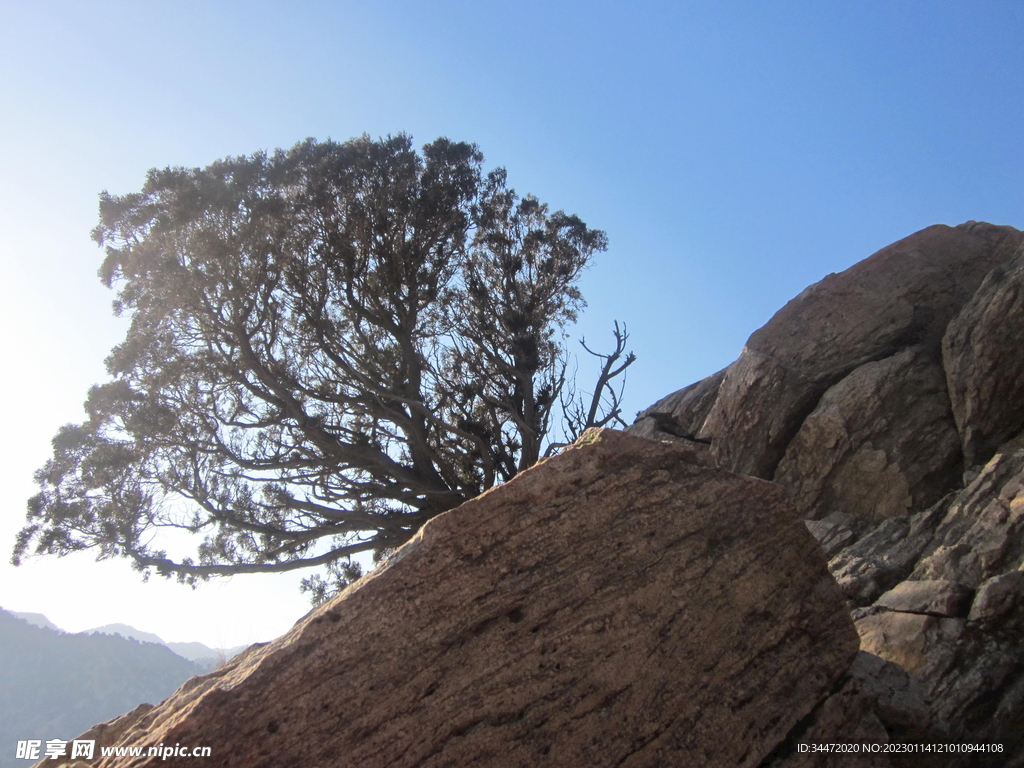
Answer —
616 605
954 619
867 397
682 413
876 703
880 443
632 602
904 295
986 384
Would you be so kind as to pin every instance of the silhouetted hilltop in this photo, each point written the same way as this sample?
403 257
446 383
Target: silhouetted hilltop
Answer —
128 631
36 619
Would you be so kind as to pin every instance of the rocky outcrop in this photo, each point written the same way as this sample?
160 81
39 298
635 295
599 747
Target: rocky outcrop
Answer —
616 605
681 414
986 378
954 615
631 602
889 401
876 703
905 295
880 443
872 391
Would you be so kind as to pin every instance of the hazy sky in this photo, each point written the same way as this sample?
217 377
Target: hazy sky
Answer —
734 152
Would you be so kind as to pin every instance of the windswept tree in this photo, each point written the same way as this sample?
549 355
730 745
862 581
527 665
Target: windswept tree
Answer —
328 346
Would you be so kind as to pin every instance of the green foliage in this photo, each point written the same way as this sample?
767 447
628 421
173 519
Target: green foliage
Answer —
328 346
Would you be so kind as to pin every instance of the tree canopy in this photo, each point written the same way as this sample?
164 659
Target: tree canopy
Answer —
328 346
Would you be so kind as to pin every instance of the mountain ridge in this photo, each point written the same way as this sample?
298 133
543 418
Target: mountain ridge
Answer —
54 684
191 650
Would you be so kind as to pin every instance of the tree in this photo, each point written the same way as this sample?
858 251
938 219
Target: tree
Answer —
328 347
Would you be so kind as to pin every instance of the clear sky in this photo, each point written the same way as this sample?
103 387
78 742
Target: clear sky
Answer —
734 152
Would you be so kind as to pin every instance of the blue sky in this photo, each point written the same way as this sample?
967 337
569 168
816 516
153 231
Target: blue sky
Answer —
734 152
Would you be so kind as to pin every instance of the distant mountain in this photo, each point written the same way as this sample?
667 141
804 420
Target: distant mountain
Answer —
196 651
36 619
206 657
203 655
55 685
125 630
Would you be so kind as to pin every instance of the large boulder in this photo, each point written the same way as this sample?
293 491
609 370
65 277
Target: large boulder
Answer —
880 443
843 397
984 364
616 605
904 295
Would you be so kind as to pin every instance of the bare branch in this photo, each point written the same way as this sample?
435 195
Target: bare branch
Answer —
605 402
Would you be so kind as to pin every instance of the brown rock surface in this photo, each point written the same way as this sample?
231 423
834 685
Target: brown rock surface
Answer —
904 295
937 597
680 414
882 442
615 605
845 717
759 408
971 677
906 639
841 399
982 350
876 703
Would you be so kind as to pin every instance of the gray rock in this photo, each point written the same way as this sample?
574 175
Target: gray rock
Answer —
982 533
997 597
969 669
682 413
835 532
971 677
886 554
937 597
